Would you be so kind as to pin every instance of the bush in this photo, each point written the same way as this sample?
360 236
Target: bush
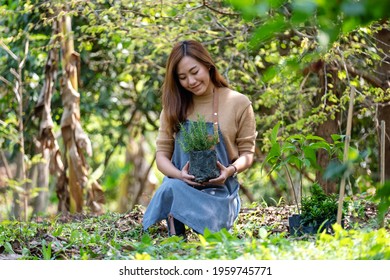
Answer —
319 208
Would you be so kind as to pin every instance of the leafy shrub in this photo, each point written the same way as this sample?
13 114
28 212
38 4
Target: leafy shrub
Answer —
319 208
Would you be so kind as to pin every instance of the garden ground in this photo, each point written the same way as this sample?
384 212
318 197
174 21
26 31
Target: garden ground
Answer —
260 232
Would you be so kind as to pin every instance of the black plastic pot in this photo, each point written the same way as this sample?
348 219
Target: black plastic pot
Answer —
203 165
297 228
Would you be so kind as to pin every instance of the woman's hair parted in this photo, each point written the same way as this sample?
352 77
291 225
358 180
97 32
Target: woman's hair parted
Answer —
176 100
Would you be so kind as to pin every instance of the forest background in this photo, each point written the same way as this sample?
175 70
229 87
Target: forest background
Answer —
80 95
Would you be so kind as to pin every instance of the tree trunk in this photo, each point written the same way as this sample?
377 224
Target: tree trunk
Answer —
47 144
42 182
383 74
20 197
16 208
75 139
384 114
71 116
137 185
7 171
327 128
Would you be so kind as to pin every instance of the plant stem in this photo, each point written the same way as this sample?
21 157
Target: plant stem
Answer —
291 184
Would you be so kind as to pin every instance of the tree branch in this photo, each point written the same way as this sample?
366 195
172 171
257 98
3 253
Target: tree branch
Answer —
369 78
206 5
4 46
6 165
5 81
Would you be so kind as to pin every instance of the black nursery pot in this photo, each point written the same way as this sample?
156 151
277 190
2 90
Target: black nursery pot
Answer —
203 165
297 228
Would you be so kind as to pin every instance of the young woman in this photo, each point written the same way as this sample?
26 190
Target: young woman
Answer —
192 87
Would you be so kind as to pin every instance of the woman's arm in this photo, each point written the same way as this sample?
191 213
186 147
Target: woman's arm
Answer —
164 164
243 162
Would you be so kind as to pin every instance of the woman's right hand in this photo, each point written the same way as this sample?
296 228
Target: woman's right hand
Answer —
187 177
164 164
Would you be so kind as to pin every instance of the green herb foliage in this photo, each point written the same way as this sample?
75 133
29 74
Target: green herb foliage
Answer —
319 208
196 138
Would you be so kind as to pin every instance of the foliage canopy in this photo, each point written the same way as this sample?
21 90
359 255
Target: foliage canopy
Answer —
295 60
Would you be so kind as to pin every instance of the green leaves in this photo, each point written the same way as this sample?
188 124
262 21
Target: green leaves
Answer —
331 19
383 196
336 168
267 30
296 150
46 250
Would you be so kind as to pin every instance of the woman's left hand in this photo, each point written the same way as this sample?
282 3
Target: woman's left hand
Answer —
220 180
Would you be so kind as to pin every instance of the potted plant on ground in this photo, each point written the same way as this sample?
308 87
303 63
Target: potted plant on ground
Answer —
199 144
318 212
296 153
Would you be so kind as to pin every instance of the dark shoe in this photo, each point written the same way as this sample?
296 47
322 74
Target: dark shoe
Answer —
175 227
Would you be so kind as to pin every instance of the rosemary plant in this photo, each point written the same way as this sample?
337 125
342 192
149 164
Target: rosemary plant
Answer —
197 137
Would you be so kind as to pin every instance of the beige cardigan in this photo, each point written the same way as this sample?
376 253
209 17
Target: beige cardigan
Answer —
235 117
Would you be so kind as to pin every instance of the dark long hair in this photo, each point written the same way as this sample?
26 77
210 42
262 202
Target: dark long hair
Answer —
176 100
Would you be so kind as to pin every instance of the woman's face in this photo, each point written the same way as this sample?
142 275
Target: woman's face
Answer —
193 76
